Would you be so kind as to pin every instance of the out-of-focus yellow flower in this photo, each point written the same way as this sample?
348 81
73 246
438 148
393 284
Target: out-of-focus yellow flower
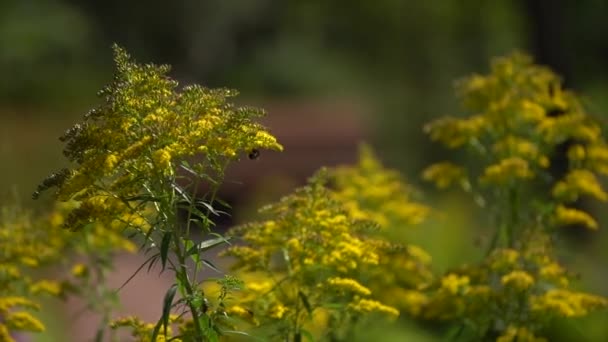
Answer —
368 305
579 183
444 174
506 170
567 303
348 284
278 311
519 334
518 279
570 216
454 283
373 192
453 132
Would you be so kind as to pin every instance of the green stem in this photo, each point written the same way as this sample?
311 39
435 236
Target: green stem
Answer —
183 274
513 215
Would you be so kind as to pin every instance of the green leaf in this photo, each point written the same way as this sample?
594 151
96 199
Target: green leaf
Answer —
153 262
209 207
207 244
164 248
149 260
308 335
305 302
167 304
181 191
211 265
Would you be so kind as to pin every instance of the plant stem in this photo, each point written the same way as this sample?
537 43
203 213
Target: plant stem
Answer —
182 273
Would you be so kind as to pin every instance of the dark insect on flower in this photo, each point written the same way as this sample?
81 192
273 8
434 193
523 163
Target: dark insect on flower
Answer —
254 154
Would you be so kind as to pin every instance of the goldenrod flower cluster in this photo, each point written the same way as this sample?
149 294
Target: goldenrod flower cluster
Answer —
129 149
142 331
32 244
327 244
523 289
142 156
522 117
312 253
370 191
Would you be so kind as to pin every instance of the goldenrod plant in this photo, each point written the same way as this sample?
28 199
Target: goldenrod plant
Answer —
34 248
522 120
321 263
24 247
149 151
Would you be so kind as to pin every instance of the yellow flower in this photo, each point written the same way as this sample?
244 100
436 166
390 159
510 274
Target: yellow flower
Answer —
567 303
570 216
162 158
518 279
531 111
506 170
239 311
110 162
598 153
349 284
454 283
22 321
419 254
578 183
517 147
278 311
79 270
453 132
46 286
518 334
576 153
368 305
444 174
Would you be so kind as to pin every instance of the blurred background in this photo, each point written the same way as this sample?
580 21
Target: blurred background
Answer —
330 74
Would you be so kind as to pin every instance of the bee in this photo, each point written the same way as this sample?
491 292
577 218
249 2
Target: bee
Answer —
254 154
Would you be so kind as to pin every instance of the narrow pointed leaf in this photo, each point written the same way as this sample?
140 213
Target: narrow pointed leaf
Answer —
164 248
207 244
211 265
164 320
305 302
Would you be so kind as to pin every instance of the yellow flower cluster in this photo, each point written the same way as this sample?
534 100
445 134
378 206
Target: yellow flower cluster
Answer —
444 174
322 246
142 331
220 317
506 170
127 150
509 284
29 244
26 245
521 117
367 306
518 279
567 303
570 216
519 334
371 192
454 284
309 237
579 183
454 132
347 284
